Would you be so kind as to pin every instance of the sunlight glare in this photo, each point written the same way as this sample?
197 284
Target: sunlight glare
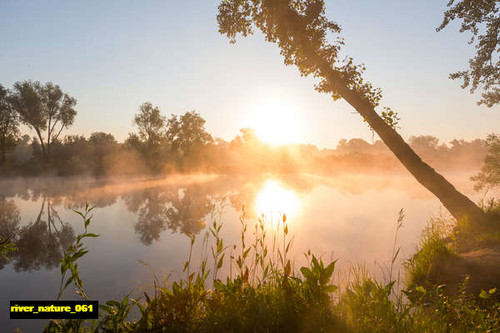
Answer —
276 122
273 200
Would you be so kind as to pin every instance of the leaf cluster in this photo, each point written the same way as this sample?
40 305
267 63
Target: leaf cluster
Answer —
482 19
306 38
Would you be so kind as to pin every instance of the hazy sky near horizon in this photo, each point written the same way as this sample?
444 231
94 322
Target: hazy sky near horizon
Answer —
114 55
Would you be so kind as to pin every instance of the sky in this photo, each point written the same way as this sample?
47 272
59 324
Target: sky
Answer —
114 55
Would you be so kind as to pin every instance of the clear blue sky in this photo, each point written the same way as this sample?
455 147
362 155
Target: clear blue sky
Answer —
114 55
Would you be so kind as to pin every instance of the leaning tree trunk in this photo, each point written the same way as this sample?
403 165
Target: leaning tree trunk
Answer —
455 202
300 32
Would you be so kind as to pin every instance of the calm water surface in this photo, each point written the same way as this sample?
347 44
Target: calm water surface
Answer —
348 217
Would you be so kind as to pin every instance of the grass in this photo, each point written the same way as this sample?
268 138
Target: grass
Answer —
263 292
424 267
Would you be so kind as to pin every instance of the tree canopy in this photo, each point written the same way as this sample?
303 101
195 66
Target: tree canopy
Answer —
306 37
9 123
43 108
482 19
150 124
187 133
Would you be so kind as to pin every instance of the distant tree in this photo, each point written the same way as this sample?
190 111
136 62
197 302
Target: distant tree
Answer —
311 42
9 123
489 176
482 19
246 137
23 151
103 145
150 124
425 142
150 140
102 138
133 142
43 108
187 134
354 146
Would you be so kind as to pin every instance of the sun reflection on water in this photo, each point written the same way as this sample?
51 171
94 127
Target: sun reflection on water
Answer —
274 200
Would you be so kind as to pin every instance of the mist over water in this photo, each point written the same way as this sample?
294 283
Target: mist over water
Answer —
350 217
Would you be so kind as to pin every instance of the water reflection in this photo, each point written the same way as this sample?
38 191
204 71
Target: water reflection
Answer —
9 223
39 243
181 205
178 209
275 200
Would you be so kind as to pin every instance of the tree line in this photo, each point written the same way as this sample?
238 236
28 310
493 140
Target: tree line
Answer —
162 145
47 111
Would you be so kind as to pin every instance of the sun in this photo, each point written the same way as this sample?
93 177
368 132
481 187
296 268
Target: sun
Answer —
275 200
276 122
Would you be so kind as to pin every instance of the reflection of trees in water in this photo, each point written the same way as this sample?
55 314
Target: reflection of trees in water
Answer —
67 193
9 223
178 209
150 205
40 243
160 204
188 209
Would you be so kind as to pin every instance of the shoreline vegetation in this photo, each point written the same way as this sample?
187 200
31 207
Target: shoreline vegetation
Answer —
450 284
265 292
180 144
100 155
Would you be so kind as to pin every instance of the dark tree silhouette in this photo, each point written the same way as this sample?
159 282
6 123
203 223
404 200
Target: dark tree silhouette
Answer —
150 206
178 209
188 136
150 124
482 19
151 139
302 32
189 208
43 108
41 243
103 146
9 225
9 123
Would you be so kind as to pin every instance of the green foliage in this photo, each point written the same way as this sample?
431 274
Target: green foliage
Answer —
114 316
432 310
306 37
482 19
390 117
69 261
367 307
266 294
433 252
489 176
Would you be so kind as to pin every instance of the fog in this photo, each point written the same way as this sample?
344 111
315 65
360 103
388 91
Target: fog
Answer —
340 203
